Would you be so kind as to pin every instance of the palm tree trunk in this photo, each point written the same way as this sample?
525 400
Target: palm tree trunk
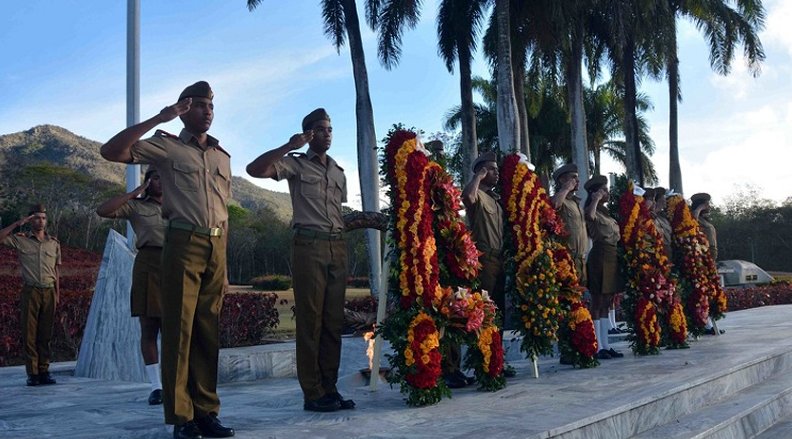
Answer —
366 138
518 74
574 80
597 150
468 110
674 96
508 126
633 149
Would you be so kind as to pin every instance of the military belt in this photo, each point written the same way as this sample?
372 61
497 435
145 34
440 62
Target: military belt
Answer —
206 231
318 234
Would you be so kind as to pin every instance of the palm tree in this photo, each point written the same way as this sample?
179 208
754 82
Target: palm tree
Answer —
341 23
458 24
634 35
724 27
605 127
508 125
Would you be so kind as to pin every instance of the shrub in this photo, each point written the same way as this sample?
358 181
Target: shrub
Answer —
271 282
358 282
362 304
777 293
247 318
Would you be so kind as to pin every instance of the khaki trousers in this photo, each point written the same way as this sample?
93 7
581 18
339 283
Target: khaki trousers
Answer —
319 272
193 279
38 315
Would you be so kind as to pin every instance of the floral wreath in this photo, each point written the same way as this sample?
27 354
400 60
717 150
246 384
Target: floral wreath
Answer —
699 279
542 276
424 212
651 291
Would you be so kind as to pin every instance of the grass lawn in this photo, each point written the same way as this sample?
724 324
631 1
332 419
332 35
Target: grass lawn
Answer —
286 328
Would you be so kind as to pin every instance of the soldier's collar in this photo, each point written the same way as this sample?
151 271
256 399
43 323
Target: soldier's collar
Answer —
311 155
187 137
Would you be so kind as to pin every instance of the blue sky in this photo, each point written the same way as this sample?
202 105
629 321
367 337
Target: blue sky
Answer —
65 65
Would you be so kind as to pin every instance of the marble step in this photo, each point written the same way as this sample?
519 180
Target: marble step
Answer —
781 430
742 415
657 409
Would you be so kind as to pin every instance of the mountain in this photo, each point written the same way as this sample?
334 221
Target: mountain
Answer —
61 154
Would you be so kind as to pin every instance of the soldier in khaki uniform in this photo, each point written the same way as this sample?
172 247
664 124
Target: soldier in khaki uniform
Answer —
568 206
196 179
661 221
319 255
604 278
700 205
39 257
145 215
484 216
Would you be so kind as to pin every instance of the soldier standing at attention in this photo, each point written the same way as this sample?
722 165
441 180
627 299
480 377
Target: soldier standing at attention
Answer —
319 255
567 204
145 214
661 221
39 257
484 215
196 176
700 205
604 277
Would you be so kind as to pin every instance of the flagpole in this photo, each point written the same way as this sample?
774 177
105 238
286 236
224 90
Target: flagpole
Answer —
133 94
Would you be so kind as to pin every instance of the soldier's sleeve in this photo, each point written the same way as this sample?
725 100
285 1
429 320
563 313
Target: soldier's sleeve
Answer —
151 150
58 256
11 241
286 167
125 211
344 193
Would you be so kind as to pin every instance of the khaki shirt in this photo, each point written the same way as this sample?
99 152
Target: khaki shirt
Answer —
664 227
36 258
196 181
485 218
317 191
712 236
603 228
146 218
574 220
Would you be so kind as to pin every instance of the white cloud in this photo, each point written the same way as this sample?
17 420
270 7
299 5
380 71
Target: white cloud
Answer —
777 30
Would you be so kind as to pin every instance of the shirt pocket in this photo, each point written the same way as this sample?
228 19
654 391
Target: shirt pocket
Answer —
186 176
151 219
222 182
310 186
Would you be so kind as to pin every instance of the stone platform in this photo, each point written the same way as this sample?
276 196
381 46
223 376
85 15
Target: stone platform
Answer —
733 386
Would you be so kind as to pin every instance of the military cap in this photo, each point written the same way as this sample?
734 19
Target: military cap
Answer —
566 169
200 89
314 116
488 156
649 193
37 208
595 183
700 197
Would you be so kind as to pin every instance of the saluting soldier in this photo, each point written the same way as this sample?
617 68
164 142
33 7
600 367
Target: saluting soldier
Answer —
145 215
484 216
700 204
567 203
661 221
604 278
319 255
195 174
39 257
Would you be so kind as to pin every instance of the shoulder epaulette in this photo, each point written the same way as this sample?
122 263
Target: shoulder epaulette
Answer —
298 155
162 133
219 148
54 239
